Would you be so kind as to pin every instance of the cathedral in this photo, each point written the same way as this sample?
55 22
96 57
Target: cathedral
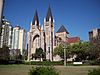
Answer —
41 36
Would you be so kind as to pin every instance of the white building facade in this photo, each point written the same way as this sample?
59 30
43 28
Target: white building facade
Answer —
6 35
41 36
22 40
1 15
19 39
15 37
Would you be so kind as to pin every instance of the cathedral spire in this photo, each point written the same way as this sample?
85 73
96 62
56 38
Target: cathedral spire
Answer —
49 15
35 19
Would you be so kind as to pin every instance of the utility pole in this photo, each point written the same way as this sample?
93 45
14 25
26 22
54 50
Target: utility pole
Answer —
64 57
65 60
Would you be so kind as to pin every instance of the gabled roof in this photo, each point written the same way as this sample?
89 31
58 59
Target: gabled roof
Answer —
49 14
73 39
62 29
35 18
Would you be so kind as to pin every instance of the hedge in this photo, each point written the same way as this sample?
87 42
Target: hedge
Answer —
44 63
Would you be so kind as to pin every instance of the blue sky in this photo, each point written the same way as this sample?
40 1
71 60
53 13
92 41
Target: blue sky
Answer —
78 16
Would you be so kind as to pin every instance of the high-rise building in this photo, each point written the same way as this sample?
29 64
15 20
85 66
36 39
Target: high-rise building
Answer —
15 37
94 35
22 40
1 10
19 39
6 35
1 15
41 36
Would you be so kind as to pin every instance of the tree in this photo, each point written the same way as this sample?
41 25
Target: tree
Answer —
95 49
59 51
4 53
94 53
39 53
24 56
81 50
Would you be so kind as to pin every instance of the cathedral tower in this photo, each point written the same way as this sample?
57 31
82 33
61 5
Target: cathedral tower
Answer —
49 34
35 36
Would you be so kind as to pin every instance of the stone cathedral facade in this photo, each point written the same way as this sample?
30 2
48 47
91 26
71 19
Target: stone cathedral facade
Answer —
41 36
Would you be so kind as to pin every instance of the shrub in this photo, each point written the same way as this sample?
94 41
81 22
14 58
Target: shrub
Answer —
5 62
27 63
57 63
94 62
47 63
94 72
40 63
43 71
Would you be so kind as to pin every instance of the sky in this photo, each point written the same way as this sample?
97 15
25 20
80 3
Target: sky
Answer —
78 16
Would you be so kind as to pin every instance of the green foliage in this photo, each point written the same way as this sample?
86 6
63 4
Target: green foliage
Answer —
27 63
59 51
46 63
81 50
4 53
24 57
57 63
38 53
94 62
43 71
94 51
94 72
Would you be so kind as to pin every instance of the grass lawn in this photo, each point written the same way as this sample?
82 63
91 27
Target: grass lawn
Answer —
24 69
